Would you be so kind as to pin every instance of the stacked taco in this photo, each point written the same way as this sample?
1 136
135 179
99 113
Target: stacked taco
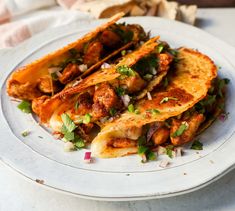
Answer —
58 70
139 95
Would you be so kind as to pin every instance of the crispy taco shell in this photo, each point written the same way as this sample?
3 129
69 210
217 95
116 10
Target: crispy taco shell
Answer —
189 84
103 75
24 82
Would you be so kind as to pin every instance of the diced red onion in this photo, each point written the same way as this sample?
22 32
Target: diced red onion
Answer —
126 99
105 65
223 117
154 71
87 157
82 67
144 158
149 96
153 128
178 151
69 146
164 163
54 69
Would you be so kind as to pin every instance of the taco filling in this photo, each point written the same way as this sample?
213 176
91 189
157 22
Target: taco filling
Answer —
104 102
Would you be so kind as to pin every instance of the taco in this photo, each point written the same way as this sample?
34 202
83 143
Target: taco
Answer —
104 95
53 72
174 115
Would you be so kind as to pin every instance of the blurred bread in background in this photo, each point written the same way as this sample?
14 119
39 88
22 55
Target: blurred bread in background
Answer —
161 8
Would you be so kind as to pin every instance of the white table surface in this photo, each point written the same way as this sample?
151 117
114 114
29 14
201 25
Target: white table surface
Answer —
19 194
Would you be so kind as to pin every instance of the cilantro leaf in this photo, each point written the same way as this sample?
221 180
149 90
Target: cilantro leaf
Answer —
79 142
73 52
141 140
160 47
180 130
169 150
165 82
221 85
68 123
148 77
142 150
197 145
76 105
131 108
153 111
120 91
112 111
123 52
125 70
126 35
69 136
25 106
151 156
87 118
54 76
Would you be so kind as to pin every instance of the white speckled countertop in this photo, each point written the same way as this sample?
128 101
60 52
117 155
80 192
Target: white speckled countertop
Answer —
19 194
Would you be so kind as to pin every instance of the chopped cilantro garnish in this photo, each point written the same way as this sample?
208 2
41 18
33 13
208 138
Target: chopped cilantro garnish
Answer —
25 106
120 91
68 128
87 118
180 130
79 143
148 77
69 136
137 111
146 65
221 85
131 108
73 51
166 99
123 52
165 82
126 36
153 111
160 48
142 150
197 145
68 123
112 111
151 155
125 70
141 140
169 150
54 76
173 52
25 133
76 105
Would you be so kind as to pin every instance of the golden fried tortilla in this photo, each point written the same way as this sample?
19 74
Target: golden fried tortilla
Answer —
189 84
23 82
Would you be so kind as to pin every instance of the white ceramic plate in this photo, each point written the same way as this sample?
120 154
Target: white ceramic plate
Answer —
40 157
